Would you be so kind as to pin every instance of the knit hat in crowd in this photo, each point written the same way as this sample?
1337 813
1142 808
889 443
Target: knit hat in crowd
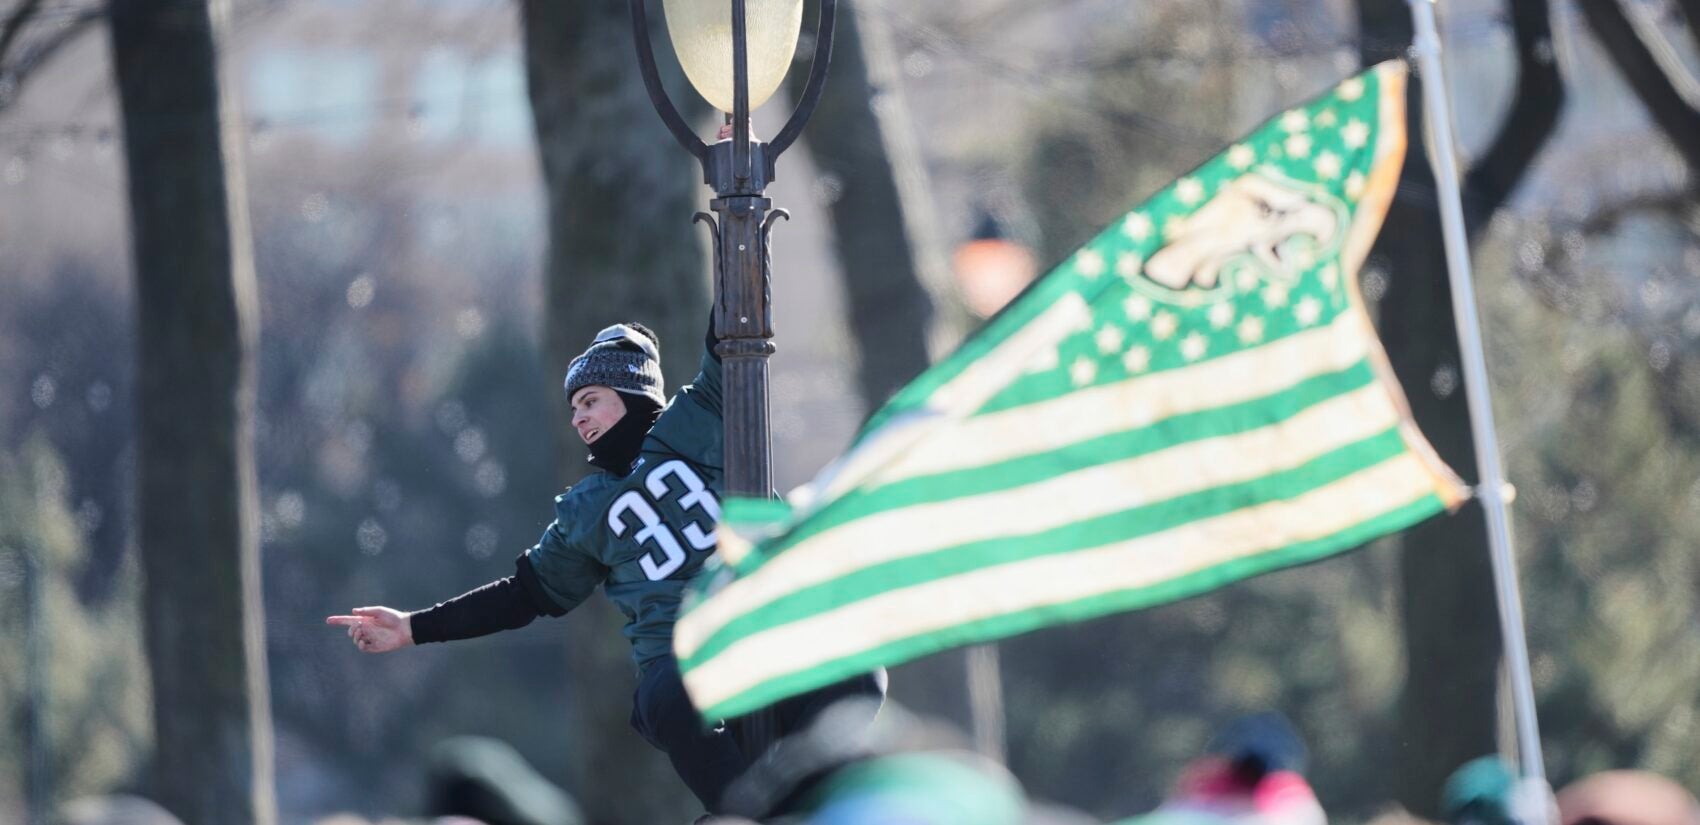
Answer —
625 358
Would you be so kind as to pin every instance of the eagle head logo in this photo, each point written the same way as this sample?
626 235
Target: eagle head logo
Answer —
1275 227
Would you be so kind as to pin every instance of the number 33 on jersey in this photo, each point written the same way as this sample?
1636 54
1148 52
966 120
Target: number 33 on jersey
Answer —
692 513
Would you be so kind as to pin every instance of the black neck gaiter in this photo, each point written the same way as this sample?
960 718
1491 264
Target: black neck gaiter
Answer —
618 448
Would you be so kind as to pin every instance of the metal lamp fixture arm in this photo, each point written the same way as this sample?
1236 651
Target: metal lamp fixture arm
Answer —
741 140
658 94
740 99
811 92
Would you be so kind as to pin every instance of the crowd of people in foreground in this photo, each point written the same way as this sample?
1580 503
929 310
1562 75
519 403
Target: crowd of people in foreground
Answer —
903 770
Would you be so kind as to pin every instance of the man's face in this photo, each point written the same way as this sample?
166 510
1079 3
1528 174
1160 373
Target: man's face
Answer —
596 409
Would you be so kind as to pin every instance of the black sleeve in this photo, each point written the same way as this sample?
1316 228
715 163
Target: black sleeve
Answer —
504 604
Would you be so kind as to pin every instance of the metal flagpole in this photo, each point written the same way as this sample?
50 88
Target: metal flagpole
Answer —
1491 489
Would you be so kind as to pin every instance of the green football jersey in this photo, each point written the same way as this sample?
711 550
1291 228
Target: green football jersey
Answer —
643 536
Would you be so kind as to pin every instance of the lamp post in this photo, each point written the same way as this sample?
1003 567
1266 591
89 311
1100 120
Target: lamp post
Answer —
735 53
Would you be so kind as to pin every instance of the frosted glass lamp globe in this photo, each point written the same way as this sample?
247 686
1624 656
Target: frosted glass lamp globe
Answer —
701 31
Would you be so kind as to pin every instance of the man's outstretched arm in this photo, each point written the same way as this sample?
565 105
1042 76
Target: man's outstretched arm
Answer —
504 604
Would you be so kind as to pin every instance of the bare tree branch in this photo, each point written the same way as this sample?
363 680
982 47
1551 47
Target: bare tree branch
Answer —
14 76
1679 121
1535 111
1691 12
15 24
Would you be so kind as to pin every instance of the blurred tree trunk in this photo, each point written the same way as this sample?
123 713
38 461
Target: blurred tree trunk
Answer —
621 247
1448 711
196 486
890 308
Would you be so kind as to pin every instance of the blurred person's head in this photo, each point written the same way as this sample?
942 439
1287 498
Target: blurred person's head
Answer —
1258 745
487 781
1479 793
1253 770
616 391
1396 815
1485 791
897 769
924 788
118 809
1172 817
1627 798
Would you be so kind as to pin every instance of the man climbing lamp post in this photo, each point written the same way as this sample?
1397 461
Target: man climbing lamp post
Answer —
735 52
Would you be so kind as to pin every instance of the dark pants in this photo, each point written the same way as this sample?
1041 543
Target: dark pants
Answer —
709 759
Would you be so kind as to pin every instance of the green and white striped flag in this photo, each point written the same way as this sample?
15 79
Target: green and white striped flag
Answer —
1195 397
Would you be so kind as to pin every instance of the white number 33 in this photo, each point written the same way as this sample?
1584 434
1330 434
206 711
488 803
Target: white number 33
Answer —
666 555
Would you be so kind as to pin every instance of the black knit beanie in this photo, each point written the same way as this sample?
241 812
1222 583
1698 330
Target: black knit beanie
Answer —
624 357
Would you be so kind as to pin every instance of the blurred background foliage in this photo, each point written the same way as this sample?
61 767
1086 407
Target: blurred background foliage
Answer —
408 446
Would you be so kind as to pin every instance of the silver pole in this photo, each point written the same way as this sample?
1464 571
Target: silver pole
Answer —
1491 489
985 701
38 748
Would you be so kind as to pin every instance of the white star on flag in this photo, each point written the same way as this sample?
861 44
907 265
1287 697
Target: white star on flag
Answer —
1136 359
1298 145
1275 295
1083 371
1241 156
1189 191
1164 325
1355 185
1137 307
1137 226
1355 135
1326 118
1327 165
1308 310
1246 280
1128 265
1251 329
1351 89
1193 346
1109 338
1295 121
1221 315
1330 276
1089 263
